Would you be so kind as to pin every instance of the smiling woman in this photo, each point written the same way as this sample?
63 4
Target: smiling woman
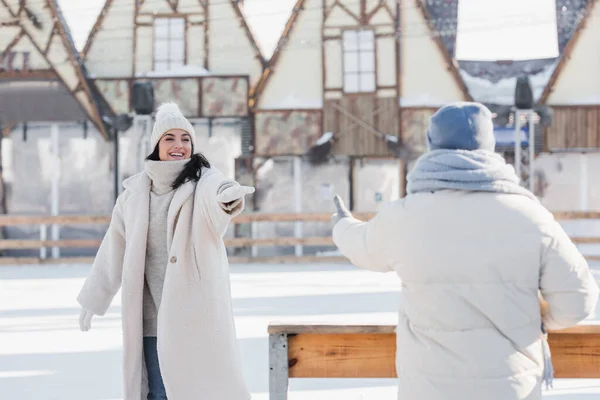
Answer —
164 246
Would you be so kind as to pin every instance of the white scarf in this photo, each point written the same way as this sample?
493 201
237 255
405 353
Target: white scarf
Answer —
163 174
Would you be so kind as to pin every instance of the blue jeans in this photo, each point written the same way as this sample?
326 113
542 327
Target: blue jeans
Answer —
155 382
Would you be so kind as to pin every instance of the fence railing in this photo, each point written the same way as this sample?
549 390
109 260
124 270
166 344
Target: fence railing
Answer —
43 243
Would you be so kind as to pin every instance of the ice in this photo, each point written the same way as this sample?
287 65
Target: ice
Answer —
44 356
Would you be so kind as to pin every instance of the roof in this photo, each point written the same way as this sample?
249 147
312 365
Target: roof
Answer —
45 83
289 26
236 4
445 15
38 100
268 71
577 27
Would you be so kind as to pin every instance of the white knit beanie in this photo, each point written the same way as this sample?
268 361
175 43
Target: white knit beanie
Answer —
168 116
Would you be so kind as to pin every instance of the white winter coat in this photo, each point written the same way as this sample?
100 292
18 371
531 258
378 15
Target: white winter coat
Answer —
471 264
197 346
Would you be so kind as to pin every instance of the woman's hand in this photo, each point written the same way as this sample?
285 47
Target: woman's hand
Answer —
85 320
231 196
233 193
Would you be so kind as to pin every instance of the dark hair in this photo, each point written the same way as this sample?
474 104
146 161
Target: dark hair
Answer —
192 170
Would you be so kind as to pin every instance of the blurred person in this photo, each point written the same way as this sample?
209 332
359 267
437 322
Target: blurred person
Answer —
473 250
164 248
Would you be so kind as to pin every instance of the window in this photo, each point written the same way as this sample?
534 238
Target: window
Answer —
169 43
359 61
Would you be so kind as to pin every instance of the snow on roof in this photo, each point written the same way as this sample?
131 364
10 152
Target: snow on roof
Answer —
177 72
502 92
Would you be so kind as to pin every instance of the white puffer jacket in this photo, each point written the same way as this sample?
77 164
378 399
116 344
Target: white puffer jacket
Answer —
471 265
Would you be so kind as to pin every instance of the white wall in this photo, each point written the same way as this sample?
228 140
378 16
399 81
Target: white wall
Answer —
579 81
111 54
144 50
571 182
426 80
230 48
376 182
296 80
386 61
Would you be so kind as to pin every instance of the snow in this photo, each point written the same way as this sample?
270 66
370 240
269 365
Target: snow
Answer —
44 356
503 92
294 102
592 99
326 137
423 100
176 72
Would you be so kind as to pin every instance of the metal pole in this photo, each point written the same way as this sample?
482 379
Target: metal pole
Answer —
518 143
54 189
298 202
531 152
278 366
43 237
116 161
583 182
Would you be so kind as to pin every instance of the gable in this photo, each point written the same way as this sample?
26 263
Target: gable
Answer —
575 79
41 47
429 75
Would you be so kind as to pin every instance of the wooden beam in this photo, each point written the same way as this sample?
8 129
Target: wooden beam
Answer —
94 116
15 40
11 261
250 35
206 36
570 215
451 63
288 260
349 12
388 9
44 74
566 54
12 220
283 241
94 113
575 355
585 240
7 129
374 11
10 22
356 355
369 351
36 244
49 43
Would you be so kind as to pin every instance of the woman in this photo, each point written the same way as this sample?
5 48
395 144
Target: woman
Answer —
164 249
473 249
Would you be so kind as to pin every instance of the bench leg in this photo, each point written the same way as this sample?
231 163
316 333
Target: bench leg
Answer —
278 366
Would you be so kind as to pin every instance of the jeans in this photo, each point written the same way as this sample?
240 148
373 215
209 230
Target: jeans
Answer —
155 382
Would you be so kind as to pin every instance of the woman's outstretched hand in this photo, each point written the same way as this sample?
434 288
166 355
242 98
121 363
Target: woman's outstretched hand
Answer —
233 193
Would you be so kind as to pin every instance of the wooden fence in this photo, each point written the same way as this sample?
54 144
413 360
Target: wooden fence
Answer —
44 221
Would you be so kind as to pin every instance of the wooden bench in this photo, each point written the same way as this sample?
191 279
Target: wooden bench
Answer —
369 351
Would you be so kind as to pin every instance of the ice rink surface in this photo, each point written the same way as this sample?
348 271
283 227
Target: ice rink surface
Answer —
44 356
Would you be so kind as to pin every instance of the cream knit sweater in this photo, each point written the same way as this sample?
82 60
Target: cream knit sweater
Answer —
162 174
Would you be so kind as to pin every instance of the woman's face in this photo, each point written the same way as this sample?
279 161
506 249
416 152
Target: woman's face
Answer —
176 144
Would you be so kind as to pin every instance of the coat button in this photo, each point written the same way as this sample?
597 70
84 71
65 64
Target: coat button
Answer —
173 260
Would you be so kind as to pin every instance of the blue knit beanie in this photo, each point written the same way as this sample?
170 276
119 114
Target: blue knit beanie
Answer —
461 126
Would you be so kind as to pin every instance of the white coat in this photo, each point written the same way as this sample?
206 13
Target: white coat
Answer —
471 265
197 346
